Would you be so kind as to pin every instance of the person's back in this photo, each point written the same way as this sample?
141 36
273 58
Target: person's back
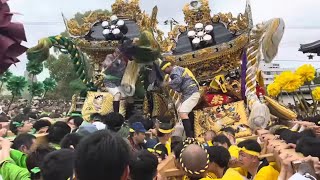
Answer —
102 155
184 86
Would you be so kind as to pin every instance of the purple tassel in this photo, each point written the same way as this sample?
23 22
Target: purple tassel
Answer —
243 74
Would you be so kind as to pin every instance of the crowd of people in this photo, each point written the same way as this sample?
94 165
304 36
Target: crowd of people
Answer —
112 147
38 108
42 142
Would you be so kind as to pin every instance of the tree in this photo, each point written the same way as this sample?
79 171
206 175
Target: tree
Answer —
62 71
316 80
34 68
49 84
15 85
4 78
35 89
79 16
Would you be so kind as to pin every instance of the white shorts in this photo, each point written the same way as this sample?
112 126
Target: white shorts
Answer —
188 105
116 90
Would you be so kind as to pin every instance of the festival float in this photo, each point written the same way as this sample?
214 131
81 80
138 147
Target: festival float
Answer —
223 52
101 38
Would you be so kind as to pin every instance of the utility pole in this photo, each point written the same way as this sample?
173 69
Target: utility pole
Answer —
171 22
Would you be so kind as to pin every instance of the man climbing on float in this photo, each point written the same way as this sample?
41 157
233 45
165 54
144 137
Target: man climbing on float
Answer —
183 81
114 67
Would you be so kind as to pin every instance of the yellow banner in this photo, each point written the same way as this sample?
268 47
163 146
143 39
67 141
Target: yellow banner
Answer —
99 102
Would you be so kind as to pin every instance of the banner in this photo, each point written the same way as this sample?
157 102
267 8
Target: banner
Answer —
99 102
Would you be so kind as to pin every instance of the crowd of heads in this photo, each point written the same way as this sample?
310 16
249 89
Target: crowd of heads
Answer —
80 148
112 147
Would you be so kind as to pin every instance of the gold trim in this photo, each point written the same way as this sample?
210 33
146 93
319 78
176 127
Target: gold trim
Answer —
165 66
204 119
129 9
76 29
210 53
197 15
121 8
96 50
165 131
236 25
211 61
169 43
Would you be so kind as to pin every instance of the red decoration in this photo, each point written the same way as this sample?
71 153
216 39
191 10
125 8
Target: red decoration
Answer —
260 91
218 99
11 35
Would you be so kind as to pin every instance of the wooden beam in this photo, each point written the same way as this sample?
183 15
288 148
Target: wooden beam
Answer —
166 164
269 156
173 173
254 137
40 138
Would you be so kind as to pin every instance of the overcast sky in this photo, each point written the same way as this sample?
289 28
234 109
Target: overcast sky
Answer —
42 18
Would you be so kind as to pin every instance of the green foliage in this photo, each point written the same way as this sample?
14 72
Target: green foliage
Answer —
34 67
35 89
16 84
60 68
62 71
4 78
79 16
77 85
49 84
316 80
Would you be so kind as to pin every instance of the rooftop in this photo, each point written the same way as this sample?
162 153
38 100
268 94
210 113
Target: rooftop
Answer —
313 47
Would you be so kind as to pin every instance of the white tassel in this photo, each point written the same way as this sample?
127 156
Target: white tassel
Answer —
295 127
259 116
302 128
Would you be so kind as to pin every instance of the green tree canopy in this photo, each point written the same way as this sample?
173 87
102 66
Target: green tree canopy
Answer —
16 84
49 84
79 16
316 80
35 89
34 67
4 78
62 71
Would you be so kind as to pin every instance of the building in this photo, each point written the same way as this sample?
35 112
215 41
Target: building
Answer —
312 48
270 70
